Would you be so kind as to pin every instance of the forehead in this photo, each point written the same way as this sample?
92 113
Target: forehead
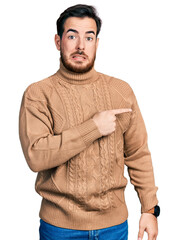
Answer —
80 24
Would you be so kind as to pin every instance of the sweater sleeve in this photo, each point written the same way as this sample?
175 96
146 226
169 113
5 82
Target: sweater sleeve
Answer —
138 159
44 150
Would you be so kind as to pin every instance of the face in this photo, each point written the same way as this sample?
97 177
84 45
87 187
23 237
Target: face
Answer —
78 44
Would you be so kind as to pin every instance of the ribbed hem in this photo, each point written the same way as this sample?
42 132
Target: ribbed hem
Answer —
89 131
82 220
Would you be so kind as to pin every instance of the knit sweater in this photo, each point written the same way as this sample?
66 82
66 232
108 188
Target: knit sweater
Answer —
80 172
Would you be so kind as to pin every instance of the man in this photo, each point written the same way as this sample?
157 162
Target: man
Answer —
78 128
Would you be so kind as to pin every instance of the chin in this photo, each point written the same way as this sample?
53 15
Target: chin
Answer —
79 67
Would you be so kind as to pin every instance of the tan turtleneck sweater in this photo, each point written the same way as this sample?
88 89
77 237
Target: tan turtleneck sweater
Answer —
81 173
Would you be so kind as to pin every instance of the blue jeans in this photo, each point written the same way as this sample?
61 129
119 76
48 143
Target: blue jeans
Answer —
50 232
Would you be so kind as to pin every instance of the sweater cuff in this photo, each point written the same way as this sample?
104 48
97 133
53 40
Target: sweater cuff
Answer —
148 204
89 131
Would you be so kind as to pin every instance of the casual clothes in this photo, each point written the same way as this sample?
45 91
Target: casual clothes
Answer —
50 232
80 172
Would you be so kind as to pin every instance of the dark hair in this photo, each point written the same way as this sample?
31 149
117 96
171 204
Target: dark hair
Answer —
79 10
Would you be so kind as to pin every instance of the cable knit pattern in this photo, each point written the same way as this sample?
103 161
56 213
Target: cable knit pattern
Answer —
80 172
78 184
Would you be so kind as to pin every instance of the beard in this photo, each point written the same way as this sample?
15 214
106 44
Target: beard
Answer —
78 67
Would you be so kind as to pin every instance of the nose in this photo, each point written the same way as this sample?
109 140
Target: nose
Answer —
80 44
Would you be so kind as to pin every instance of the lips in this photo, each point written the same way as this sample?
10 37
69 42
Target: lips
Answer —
79 57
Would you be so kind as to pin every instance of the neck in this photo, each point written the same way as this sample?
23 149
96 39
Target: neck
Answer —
76 78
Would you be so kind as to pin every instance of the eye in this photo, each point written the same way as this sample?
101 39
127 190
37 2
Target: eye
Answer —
89 38
71 37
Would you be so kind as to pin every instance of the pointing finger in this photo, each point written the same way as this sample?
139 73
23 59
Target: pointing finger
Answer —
122 110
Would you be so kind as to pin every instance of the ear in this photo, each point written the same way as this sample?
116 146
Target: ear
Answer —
97 42
57 41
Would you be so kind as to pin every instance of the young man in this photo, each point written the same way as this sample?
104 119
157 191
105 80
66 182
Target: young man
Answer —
78 128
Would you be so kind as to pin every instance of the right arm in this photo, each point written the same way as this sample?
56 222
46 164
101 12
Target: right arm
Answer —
44 150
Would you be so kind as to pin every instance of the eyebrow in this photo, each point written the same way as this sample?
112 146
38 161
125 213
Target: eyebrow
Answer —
75 31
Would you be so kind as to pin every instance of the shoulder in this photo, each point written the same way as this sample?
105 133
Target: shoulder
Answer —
40 90
118 85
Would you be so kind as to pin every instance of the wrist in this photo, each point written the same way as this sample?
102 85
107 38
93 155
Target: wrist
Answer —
155 211
150 211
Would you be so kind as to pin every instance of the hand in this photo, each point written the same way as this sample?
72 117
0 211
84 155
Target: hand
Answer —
105 120
148 222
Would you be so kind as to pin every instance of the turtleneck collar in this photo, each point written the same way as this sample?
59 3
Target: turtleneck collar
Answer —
76 78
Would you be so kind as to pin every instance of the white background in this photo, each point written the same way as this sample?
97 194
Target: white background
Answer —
139 43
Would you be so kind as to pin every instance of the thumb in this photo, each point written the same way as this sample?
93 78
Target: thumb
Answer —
141 233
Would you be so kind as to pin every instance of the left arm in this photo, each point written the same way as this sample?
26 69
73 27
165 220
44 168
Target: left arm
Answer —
139 163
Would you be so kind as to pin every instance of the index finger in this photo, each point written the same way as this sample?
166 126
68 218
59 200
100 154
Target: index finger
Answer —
121 110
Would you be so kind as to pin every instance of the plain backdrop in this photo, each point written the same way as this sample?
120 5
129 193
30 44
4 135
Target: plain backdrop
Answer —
139 43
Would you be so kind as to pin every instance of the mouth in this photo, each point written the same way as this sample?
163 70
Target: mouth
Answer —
78 57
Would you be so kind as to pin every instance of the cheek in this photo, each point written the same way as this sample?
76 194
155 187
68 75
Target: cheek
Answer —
68 48
91 50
